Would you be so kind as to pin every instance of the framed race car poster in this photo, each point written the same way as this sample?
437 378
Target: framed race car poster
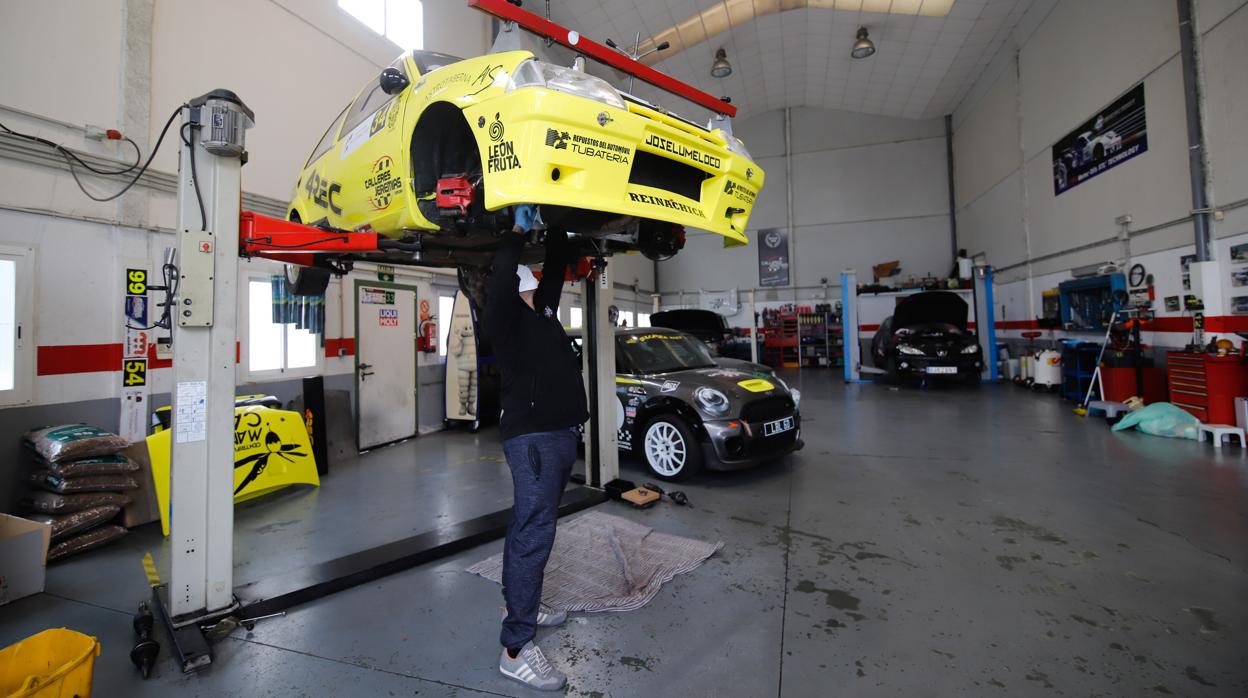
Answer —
1101 143
773 257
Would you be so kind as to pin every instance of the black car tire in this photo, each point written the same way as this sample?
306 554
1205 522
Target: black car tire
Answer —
676 432
306 281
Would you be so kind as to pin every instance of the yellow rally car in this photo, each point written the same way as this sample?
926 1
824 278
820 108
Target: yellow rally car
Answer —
433 154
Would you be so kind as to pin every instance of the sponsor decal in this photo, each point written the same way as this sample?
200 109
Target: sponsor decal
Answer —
757 385
496 128
636 390
647 338
487 75
625 437
388 317
684 151
634 401
588 146
321 192
376 296
749 173
666 203
669 386
630 412
393 118
136 282
382 183
252 435
444 83
740 192
136 310
502 157
134 373
723 373
773 257
379 119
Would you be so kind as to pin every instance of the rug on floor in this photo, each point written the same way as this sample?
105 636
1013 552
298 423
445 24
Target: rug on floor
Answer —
602 562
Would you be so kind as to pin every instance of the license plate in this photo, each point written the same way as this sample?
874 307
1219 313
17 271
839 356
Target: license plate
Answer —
778 427
942 369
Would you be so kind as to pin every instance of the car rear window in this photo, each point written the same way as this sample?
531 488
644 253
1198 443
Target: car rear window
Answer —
429 61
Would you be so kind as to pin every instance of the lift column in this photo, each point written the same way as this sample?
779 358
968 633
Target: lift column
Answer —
850 347
602 455
204 350
985 326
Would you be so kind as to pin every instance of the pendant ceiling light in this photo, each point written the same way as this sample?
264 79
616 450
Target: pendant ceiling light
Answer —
863 47
721 68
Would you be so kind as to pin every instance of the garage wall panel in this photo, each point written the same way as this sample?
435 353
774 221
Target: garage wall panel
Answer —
993 223
1083 56
985 143
62 59
891 180
1225 60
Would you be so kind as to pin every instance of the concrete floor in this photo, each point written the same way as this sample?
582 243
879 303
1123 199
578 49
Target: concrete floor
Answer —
926 543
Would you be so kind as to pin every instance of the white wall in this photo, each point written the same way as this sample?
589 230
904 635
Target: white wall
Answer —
1059 69
866 189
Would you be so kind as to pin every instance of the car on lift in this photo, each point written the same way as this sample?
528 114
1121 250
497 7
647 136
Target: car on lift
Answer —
433 154
927 337
680 409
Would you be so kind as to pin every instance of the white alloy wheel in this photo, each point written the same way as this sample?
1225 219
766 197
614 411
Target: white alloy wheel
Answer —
666 449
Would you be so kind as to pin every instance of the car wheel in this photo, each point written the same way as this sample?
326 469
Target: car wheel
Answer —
670 448
306 281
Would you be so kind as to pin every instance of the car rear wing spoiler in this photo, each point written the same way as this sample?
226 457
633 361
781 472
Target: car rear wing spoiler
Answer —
514 16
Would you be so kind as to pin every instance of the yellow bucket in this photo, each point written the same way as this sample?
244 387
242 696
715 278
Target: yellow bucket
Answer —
55 663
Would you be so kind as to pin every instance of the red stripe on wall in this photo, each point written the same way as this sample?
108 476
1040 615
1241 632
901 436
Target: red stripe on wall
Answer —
77 358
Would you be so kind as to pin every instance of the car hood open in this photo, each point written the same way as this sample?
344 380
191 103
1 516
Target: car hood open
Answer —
931 306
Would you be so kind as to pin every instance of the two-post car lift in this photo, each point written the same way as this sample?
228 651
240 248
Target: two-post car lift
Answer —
200 594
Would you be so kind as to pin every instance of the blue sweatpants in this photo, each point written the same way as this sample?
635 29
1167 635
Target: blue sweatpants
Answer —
540 466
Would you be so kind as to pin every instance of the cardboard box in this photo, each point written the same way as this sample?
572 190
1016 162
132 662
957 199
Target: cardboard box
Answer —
23 557
144 507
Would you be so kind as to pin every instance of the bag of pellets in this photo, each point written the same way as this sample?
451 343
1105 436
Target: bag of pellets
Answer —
85 541
77 522
53 503
73 441
99 465
86 483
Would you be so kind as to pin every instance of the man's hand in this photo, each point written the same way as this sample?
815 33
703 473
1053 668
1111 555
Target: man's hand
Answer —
525 216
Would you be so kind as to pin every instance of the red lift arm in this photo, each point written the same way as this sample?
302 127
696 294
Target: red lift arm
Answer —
545 28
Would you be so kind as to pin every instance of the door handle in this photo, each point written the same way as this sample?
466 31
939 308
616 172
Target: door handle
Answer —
364 367
364 372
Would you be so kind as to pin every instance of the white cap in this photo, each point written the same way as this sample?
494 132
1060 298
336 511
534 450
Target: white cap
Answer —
528 282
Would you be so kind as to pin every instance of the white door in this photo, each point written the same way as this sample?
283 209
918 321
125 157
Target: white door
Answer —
385 363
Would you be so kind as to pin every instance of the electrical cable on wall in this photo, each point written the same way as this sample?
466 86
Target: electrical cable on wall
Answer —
71 158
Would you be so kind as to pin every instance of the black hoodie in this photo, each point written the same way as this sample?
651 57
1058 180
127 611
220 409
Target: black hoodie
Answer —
542 388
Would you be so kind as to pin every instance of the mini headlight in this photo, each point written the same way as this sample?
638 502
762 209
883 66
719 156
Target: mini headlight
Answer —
907 349
535 73
711 400
797 398
970 349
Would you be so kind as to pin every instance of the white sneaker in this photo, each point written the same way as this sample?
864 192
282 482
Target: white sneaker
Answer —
531 669
549 617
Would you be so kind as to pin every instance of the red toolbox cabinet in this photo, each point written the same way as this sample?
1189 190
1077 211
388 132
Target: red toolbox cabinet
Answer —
1206 385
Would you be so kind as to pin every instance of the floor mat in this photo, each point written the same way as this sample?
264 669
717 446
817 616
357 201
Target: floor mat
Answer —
602 562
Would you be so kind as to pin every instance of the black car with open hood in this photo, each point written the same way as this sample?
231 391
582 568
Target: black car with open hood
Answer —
928 336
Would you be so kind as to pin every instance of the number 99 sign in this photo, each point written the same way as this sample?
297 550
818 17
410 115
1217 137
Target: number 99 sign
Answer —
136 282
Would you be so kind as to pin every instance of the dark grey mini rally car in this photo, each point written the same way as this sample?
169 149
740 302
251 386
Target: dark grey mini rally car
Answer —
681 409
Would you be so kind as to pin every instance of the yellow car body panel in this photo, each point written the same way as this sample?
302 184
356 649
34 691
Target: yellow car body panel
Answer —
537 145
272 451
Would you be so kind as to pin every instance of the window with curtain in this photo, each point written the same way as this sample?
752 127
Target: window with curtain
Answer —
285 333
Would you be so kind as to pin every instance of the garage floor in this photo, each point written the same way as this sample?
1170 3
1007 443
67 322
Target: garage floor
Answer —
926 543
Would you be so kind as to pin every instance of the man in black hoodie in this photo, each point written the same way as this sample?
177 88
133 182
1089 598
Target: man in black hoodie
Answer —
543 401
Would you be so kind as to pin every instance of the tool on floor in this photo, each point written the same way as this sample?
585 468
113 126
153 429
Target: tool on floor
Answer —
146 649
676 496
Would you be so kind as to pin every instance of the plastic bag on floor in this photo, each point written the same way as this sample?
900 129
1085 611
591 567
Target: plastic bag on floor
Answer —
69 524
1162 419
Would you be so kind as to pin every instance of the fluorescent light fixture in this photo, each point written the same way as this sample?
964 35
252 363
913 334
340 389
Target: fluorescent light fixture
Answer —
728 14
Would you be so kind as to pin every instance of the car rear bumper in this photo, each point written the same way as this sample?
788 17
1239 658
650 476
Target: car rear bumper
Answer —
730 447
558 149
